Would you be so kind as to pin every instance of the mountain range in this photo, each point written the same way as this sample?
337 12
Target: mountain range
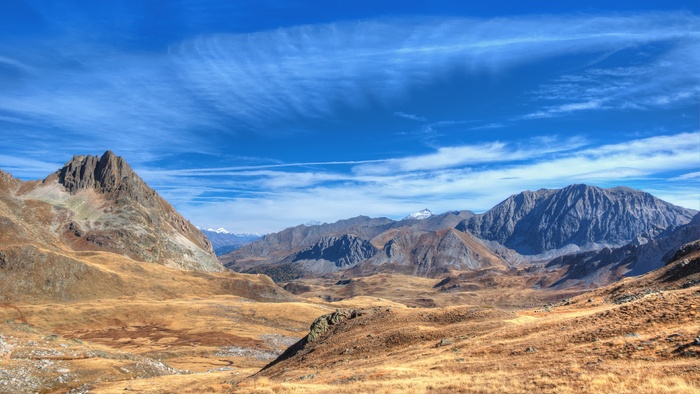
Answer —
548 230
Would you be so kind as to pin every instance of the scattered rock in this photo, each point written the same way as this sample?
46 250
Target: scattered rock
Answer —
321 325
445 342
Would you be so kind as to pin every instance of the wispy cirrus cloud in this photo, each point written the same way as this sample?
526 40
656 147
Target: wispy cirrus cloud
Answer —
669 80
307 71
417 118
469 155
254 80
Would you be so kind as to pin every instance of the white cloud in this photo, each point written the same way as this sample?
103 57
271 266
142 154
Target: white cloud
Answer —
24 167
225 83
690 175
410 116
550 112
467 155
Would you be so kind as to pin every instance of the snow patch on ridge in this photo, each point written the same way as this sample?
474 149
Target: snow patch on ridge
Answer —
423 214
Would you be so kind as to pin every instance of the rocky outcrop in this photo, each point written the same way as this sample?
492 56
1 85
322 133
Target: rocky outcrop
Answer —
106 173
583 216
319 329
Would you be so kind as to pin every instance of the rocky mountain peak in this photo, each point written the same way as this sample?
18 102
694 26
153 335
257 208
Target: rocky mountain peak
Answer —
126 206
105 173
581 215
343 251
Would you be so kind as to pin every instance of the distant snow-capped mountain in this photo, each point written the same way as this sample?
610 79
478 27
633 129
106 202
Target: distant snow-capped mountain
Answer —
219 230
224 241
423 214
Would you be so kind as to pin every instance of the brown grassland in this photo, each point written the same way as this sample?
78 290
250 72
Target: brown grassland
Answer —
176 332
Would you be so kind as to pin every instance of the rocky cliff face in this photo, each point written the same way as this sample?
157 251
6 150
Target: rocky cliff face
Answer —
344 251
537 222
101 204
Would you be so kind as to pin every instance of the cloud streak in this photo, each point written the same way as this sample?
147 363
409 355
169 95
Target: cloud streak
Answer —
311 72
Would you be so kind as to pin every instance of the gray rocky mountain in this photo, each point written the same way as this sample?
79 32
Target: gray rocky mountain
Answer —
282 246
603 235
344 251
575 217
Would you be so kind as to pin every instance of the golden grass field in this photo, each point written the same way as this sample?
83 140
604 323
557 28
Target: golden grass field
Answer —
219 343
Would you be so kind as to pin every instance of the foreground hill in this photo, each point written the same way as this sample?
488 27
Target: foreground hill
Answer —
639 336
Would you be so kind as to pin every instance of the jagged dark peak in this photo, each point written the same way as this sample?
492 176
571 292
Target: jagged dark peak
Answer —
127 206
549 219
344 251
105 173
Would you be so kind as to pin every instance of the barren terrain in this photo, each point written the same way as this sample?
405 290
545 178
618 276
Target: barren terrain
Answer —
637 336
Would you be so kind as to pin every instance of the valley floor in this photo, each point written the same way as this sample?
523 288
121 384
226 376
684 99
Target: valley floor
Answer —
588 344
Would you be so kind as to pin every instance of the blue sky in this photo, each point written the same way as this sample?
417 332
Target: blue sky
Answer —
260 115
